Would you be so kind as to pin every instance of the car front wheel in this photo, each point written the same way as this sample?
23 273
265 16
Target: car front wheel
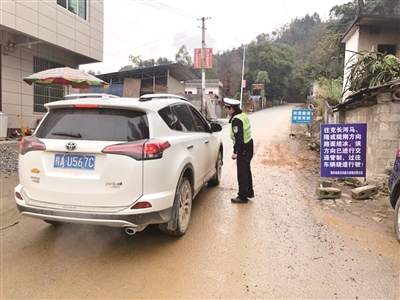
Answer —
397 219
218 171
183 209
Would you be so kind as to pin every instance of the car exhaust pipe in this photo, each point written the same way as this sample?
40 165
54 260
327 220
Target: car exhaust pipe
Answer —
130 230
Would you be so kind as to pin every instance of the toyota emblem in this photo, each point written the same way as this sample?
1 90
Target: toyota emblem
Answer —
71 146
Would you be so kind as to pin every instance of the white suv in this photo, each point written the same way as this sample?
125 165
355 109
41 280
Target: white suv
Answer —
119 162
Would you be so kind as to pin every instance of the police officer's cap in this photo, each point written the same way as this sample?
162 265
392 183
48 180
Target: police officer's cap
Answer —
230 102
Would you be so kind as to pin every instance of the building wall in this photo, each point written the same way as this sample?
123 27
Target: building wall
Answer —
350 47
49 22
17 96
62 36
193 89
383 130
211 85
386 36
175 86
362 40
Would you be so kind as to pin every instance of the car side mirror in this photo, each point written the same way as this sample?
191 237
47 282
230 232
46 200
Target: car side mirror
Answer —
215 127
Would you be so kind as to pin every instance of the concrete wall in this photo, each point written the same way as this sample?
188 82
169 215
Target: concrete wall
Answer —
383 130
351 46
61 37
175 86
17 96
49 22
362 40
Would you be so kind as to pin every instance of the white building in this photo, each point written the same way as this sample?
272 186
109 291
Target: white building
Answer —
366 33
44 34
212 87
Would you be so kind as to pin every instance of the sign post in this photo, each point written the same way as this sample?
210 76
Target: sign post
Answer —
300 116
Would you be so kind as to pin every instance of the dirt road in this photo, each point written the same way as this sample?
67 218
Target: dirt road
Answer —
285 243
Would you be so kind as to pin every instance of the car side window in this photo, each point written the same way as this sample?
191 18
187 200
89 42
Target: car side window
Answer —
184 117
170 118
201 124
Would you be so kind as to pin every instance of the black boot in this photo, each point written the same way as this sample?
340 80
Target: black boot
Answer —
238 200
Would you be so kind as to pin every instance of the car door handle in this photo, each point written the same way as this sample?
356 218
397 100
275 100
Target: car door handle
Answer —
189 146
206 141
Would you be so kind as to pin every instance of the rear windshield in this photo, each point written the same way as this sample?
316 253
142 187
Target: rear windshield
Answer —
100 124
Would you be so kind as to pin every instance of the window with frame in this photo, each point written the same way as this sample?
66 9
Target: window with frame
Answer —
388 49
201 125
184 117
43 94
77 7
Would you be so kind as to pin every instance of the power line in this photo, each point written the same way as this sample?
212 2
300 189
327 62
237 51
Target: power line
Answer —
160 6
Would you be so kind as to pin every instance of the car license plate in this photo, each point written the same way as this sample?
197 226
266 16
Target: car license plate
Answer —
68 161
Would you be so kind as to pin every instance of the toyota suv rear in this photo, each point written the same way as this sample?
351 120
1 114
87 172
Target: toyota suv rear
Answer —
119 162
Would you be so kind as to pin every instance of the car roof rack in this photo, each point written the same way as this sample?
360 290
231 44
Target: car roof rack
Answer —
89 95
149 97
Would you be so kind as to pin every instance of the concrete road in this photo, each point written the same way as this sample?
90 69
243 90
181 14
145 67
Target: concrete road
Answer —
281 244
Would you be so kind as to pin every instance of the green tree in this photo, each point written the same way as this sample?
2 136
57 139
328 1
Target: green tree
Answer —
227 85
262 77
135 60
163 61
275 59
232 60
382 7
184 57
126 68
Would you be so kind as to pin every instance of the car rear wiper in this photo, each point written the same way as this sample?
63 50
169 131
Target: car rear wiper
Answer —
71 134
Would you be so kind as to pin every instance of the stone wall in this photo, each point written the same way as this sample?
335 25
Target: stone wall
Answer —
383 130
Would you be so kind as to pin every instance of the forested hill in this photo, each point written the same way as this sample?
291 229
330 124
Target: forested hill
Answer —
287 60
290 59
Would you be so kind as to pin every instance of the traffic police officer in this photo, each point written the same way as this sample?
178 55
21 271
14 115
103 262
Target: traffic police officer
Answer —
243 148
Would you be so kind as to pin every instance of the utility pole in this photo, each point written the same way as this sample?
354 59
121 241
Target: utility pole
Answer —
241 90
203 74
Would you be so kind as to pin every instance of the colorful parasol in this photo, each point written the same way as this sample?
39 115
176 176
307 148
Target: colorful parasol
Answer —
65 76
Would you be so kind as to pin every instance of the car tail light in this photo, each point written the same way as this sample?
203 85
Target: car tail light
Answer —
141 205
151 149
28 144
18 196
398 153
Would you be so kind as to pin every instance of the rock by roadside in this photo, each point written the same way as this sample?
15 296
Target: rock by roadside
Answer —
8 160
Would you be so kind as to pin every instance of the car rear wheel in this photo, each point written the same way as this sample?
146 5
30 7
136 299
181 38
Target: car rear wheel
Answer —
183 209
397 219
218 171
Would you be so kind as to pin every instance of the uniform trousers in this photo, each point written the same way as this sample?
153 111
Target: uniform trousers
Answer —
244 176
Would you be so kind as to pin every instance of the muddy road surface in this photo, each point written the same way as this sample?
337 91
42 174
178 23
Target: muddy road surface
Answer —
284 243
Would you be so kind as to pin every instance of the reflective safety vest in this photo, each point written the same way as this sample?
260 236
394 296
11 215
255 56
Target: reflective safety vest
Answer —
246 128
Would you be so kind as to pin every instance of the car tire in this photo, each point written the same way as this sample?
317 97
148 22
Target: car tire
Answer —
397 219
182 209
218 171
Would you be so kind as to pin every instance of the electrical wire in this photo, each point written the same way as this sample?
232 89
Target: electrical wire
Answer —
159 6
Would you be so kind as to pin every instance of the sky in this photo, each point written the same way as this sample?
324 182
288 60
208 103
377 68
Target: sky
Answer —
158 28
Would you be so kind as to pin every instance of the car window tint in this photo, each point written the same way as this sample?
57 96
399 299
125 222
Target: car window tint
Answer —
170 118
184 117
201 124
94 124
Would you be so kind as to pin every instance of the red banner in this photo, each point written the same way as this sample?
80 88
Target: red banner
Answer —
197 58
207 58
